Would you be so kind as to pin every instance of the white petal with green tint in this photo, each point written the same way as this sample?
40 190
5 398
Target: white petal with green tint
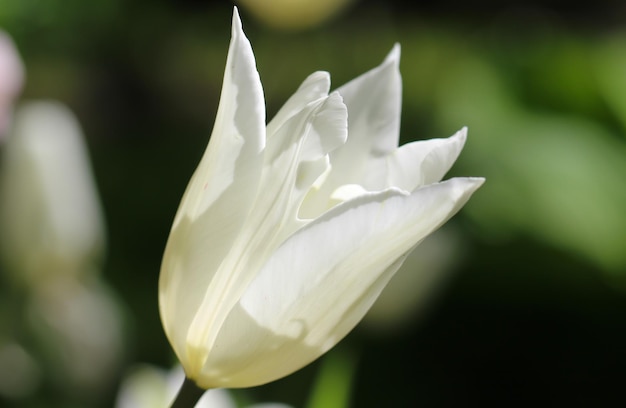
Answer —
218 197
304 138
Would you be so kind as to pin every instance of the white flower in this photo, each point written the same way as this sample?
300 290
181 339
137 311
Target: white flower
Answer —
11 79
50 214
150 387
287 234
147 386
20 373
79 327
290 14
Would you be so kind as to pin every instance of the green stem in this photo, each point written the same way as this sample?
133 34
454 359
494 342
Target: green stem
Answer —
188 395
333 385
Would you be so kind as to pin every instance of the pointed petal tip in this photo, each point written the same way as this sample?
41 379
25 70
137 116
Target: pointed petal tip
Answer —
319 76
474 183
477 180
460 136
462 188
237 27
394 55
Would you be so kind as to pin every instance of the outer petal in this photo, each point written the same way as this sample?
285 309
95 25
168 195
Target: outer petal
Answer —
304 138
218 197
305 299
375 229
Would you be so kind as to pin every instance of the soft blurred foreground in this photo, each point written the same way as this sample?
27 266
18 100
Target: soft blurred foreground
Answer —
520 300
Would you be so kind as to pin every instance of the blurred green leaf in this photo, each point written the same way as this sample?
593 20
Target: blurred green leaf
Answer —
557 178
333 386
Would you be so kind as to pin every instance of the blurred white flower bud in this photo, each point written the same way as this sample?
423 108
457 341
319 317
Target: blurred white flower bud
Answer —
294 14
147 386
78 330
50 215
19 372
11 79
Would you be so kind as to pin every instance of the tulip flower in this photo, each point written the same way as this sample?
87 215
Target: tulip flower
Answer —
77 326
289 14
52 222
147 386
286 234
11 80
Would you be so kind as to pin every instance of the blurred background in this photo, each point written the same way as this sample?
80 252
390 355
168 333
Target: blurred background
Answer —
520 300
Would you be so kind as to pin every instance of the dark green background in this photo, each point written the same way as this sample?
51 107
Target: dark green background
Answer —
527 321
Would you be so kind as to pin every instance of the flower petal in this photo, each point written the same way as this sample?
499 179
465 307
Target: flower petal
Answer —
307 137
305 299
373 102
50 212
219 195
234 155
296 156
314 87
414 164
352 239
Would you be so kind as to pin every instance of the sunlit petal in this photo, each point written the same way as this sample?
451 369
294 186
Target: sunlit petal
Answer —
219 194
414 164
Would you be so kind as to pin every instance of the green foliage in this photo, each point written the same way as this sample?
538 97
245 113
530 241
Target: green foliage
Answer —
546 111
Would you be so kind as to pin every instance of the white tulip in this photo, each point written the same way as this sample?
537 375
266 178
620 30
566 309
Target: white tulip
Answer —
79 326
286 235
52 222
147 386
11 80
298 14
151 387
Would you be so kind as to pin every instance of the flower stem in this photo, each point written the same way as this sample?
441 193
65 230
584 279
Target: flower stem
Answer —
333 385
188 395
